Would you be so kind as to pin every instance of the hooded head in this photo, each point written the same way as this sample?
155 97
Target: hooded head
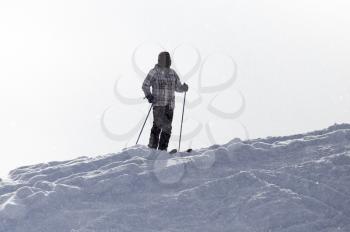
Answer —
164 60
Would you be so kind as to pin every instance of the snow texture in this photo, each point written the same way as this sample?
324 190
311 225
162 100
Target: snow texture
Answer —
298 183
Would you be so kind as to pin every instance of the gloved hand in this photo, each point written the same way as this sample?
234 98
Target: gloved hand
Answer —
150 98
185 87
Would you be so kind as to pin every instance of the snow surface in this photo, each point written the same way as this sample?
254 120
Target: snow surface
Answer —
292 183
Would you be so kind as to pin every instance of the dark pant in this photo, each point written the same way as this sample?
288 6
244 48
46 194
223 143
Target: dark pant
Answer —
161 130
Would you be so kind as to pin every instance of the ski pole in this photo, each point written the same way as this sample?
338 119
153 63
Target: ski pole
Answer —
144 124
182 118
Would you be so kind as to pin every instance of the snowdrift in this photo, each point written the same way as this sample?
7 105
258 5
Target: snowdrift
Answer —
292 183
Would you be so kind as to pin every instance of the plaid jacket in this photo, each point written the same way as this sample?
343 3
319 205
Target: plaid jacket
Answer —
164 82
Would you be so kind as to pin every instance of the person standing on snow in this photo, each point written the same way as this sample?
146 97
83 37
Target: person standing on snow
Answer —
164 82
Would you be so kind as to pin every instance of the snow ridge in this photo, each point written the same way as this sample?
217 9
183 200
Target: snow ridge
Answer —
287 184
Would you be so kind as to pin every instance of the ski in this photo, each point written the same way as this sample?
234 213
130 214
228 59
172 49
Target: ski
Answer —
173 151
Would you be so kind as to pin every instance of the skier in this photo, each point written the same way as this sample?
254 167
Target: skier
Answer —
164 82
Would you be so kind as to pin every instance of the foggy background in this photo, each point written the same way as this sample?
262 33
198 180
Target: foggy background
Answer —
59 61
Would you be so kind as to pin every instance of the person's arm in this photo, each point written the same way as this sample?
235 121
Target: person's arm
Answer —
178 86
146 86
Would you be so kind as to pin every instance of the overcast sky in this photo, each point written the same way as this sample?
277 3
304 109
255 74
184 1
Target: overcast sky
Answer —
59 61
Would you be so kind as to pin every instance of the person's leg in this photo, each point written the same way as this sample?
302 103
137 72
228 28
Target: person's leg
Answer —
156 128
164 141
166 128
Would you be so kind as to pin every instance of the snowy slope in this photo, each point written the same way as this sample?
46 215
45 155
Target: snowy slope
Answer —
293 183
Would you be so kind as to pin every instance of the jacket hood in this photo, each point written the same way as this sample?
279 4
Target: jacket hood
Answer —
164 60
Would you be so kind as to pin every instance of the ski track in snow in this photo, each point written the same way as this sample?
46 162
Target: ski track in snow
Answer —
298 183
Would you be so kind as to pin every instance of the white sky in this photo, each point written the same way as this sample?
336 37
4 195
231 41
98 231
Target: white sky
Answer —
59 61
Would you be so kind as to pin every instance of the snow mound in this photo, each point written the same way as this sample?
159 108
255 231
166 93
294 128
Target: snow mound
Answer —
288 184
